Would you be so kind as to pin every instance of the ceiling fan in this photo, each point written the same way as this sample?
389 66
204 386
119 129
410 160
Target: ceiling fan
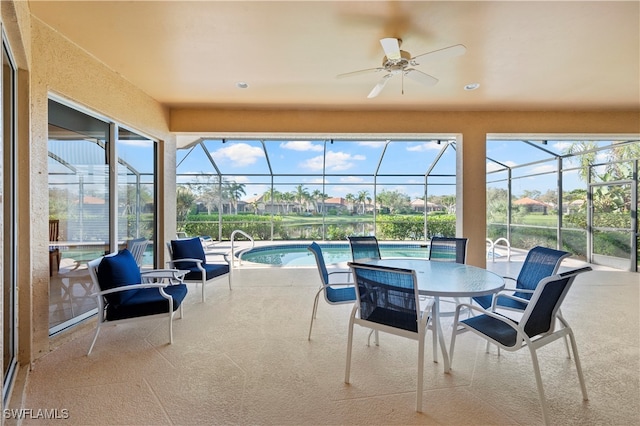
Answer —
398 61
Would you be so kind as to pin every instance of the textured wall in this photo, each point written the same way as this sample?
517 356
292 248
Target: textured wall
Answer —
60 68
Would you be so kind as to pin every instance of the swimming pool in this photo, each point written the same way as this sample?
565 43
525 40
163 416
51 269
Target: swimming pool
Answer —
298 255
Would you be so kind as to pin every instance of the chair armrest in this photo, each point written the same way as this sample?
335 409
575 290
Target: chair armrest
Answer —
337 285
160 274
336 273
198 262
186 259
129 287
510 296
225 255
482 311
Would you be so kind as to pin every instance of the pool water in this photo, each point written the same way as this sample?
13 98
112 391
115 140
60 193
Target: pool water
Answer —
298 255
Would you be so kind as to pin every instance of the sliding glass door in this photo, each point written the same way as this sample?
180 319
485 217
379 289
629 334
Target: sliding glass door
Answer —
94 207
8 220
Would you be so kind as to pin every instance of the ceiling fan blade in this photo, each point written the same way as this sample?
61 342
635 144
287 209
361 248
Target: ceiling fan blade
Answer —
391 48
446 52
420 77
353 73
378 87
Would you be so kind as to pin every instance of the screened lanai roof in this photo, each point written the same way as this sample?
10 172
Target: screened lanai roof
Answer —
345 165
342 166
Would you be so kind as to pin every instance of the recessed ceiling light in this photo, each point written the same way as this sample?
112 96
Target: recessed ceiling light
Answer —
471 86
242 85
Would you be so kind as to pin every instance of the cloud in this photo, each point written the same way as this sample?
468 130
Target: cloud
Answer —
238 154
491 166
561 146
424 146
351 179
372 144
544 169
301 146
335 162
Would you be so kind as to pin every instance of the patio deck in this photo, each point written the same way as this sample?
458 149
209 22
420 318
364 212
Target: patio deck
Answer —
243 358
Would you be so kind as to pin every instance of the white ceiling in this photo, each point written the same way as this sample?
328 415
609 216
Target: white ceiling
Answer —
577 55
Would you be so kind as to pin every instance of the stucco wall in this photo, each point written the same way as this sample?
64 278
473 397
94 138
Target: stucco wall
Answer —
60 68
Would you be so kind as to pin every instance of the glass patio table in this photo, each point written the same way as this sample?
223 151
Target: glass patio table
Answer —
445 279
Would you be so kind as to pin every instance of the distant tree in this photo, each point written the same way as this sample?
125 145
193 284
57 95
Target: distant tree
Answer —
184 200
395 201
534 194
301 195
362 198
234 191
351 200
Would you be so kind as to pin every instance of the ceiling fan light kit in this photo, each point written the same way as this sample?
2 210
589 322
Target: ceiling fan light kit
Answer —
401 62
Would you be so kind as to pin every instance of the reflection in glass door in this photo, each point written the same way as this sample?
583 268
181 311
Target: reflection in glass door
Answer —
8 221
78 211
136 193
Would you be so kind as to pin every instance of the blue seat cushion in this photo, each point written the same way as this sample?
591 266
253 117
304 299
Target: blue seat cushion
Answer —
513 304
212 270
393 318
147 301
187 249
117 271
496 329
484 301
341 294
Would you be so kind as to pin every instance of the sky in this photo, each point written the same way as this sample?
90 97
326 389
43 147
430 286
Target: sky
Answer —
350 165
401 165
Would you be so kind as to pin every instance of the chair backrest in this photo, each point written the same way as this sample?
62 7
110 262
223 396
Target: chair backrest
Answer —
137 248
54 229
364 247
322 267
448 249
540 315
541 262
115 270
387 296
191 248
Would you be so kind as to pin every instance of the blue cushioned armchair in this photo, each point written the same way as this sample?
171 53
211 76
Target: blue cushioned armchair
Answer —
188 254
124 296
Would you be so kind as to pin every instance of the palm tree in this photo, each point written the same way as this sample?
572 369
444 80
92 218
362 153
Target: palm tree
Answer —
350 199
234 191
301 195
362 197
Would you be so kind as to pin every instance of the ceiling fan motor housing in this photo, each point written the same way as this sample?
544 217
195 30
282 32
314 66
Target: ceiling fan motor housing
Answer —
397 64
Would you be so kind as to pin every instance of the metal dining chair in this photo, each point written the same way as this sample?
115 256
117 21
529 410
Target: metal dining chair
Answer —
364 247
335 293
387 300
535 329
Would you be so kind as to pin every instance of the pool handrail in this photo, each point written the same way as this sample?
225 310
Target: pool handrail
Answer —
233 253
492 247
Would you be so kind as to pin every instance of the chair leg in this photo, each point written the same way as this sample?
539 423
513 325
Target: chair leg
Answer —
576 359
313 312
171 327
95 337
421 340
376 339
203 281
536 370
229 280
435 342
347 371
566 341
